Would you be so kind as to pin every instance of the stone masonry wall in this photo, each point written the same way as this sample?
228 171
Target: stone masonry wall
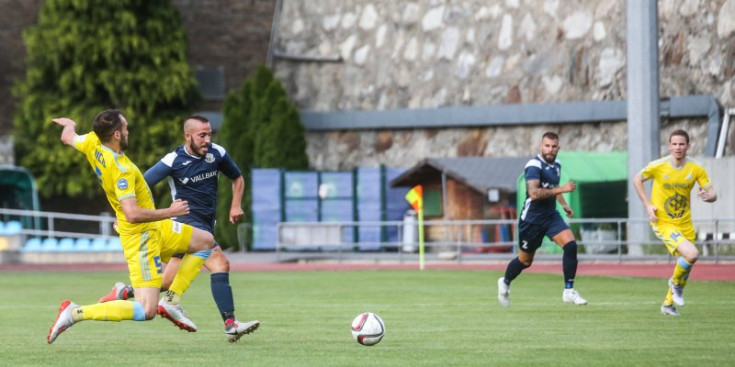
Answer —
434 53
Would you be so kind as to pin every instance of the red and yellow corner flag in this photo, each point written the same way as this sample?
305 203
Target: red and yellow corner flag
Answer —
415 197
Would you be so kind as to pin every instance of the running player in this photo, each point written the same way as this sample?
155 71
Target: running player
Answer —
147 236
539 217
668 210
192 169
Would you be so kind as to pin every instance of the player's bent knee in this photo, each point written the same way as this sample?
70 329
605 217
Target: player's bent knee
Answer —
201 241
217 262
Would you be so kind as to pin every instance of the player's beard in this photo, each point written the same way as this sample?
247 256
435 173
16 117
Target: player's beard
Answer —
197 151
124 143
550 157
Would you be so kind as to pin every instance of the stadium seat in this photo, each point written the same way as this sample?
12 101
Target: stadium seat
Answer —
2 228
13 227
66 245
50 245
83 244
32 245
114 245
99 244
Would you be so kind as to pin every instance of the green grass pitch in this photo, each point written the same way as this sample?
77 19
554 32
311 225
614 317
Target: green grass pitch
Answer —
433 318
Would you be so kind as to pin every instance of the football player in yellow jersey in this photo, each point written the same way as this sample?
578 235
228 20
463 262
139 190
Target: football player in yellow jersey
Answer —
668 210
147 236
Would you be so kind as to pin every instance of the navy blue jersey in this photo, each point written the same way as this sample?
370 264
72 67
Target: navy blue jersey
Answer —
548 174
194 179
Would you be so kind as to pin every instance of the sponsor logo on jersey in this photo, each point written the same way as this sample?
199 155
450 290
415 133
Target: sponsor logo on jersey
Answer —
186 163
122 184
676 185
184 180
204 176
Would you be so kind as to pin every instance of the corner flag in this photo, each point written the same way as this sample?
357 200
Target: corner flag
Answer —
415 197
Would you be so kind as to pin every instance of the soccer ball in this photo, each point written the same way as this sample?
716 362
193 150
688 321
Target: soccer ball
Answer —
368 328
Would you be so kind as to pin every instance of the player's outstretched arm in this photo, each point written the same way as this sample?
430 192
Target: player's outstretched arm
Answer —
135 214
68 133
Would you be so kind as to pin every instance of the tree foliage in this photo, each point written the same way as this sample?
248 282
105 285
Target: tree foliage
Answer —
85 56
261 128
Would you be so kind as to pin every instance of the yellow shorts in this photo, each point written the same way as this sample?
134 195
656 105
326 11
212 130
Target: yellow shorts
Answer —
144 252
674 234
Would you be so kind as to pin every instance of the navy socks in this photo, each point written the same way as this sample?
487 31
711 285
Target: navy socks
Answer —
515 267
569 263
222 293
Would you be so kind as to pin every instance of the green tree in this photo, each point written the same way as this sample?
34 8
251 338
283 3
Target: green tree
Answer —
87 56
261 128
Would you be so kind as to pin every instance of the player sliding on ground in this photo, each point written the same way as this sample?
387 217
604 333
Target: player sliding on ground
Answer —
539 217
193 169
668 210
147 236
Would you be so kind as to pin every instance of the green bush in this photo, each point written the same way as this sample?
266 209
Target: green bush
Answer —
261 129
87 56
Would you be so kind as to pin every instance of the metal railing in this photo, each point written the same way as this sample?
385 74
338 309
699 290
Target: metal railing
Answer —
46 224
603 237
464 238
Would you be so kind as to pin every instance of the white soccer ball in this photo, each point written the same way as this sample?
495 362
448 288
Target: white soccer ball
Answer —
368 328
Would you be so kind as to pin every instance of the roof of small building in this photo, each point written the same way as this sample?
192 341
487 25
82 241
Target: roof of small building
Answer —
479 173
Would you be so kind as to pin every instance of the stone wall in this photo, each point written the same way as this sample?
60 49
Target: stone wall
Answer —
434 53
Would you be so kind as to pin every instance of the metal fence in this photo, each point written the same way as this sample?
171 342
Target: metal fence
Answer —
46 224
458 239
465 239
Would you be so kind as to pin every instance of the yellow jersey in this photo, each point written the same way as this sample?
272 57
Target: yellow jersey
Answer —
120 179
672 187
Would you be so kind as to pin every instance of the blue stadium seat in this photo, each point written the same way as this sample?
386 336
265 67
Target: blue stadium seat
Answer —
32 245
83 245
99 244
114 245
50 245
66 244
2 228
13 227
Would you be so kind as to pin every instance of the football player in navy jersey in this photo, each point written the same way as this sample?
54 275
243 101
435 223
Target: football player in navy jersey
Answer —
539 218
193 169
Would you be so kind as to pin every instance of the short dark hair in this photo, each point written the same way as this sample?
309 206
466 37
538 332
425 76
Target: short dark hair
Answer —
106 123
199 118
550 135
679 133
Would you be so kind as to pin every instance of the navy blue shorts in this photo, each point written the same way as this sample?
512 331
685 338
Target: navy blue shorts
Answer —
531 235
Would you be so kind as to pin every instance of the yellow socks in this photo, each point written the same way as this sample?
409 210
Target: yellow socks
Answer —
189 269
109 311
681 271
